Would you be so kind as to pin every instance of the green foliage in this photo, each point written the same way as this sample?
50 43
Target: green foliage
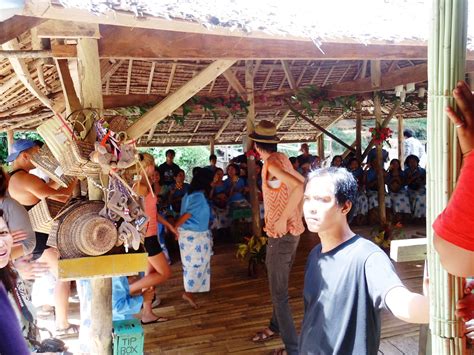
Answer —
186 157
311 95
17 135
254 248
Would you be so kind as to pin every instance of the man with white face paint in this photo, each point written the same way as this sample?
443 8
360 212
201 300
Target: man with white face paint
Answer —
348 279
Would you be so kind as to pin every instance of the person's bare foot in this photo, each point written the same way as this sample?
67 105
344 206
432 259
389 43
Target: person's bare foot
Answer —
190 300
150 317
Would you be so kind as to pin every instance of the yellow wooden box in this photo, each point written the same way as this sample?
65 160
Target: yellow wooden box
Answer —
102 266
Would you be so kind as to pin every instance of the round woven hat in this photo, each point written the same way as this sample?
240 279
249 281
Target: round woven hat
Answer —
83 232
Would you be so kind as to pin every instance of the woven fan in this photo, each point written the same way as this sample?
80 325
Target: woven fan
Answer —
46 161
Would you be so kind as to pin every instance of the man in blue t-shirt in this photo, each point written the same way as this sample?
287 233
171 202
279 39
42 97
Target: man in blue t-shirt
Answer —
348 279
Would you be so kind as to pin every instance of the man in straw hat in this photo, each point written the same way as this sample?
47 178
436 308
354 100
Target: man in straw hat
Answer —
28 190
282 188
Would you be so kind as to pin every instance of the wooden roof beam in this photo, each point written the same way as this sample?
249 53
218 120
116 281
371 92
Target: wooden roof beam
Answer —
67 29
107 74
121 42
16 25
176 99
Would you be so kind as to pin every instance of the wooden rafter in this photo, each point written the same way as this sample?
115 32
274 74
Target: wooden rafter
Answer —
316 73
328 76
150 78
176 99
392 66
344 74
288 74
70 97
301 76
171 78
234 81
267 78
129 76
108 72
223 127
285 115
21 70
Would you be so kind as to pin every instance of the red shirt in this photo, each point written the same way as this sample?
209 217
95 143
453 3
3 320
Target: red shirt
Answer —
456 223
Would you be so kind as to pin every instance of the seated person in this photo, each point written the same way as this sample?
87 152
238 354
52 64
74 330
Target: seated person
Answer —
416 181
218 198
395 181
177 191
337 161
372 186
361 207
234 184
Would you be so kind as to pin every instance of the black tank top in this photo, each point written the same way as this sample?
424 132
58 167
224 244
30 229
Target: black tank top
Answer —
27 207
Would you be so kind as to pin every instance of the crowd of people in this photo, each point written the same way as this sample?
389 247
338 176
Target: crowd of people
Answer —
348 279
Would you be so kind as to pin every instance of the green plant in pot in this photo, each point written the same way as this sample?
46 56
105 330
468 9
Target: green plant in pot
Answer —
253 249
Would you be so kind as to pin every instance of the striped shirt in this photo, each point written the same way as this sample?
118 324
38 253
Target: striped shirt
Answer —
275 200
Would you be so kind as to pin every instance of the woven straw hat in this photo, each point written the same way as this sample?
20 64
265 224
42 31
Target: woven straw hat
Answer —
83 232
265 132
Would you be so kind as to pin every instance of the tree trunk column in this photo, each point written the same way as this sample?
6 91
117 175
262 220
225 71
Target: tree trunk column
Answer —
251 164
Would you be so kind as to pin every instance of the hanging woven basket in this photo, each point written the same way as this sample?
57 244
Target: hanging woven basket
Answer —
82 232
71 153
43 214
46 161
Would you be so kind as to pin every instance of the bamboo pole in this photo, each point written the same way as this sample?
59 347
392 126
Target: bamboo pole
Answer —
380 164
401 148
446 64
251 164
10 140
359 131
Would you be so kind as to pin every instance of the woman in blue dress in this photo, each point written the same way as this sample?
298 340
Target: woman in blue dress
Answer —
194 236
395 180
416 185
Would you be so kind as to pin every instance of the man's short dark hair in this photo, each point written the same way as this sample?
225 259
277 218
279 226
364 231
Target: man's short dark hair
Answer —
412 157
212 157
39 143
170 151
345 186
408 133
266 147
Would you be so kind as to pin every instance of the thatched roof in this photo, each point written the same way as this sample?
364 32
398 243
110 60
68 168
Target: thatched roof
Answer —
363 20
142 75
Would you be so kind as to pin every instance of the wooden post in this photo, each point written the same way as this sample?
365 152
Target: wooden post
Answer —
91 96
251 165
211 145
375 78
10 140
321 147
359 131
401 139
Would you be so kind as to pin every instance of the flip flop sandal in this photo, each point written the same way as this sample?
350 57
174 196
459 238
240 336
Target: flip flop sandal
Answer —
69 332
159 320
262 336
45 315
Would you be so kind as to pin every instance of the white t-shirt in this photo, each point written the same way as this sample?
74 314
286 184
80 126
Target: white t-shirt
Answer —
414 147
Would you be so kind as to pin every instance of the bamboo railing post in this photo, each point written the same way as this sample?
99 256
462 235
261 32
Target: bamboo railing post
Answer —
251 164
375 76
446 65
10 140
401 139
359 131
380 164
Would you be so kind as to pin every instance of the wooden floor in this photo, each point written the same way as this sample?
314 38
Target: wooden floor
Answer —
238 306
